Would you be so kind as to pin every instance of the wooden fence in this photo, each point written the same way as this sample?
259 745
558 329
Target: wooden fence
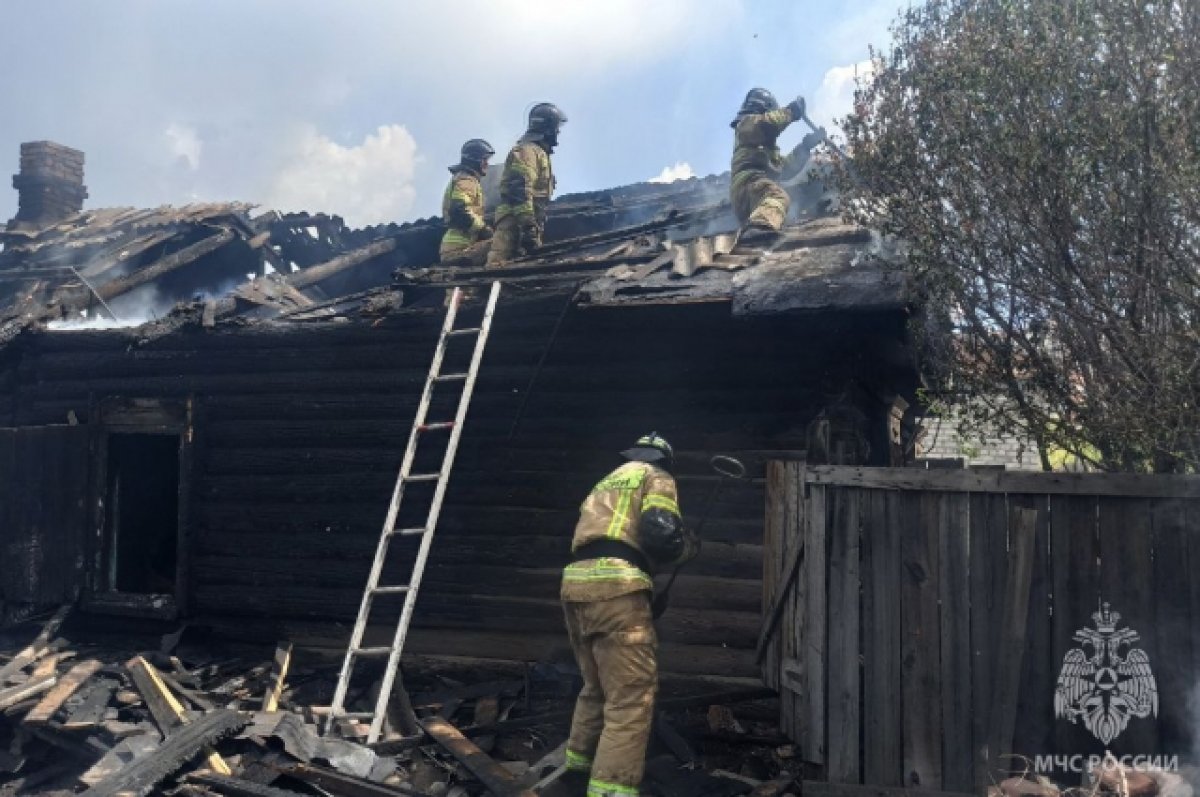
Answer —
917 621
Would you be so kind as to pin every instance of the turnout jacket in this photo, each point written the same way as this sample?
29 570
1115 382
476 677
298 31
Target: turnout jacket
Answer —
526 184
462 211
755 152
612 511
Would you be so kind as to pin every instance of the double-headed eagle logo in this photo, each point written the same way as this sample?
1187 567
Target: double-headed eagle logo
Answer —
1105 689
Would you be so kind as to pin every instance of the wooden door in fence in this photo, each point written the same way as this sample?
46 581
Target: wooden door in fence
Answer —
934 614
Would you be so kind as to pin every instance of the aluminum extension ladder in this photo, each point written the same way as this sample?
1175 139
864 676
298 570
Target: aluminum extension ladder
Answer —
355 651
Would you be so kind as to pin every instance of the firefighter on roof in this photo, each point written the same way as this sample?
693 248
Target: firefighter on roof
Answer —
629 527
467 234
526 186
759 202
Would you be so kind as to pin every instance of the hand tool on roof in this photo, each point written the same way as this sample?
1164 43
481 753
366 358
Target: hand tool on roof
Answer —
729 469
355 651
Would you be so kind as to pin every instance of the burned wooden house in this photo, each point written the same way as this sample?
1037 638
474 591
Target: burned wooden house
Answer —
230 461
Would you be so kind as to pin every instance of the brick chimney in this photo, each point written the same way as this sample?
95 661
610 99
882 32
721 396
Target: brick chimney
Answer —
50 184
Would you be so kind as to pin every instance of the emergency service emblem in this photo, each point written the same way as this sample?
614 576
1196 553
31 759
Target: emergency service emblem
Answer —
1102 687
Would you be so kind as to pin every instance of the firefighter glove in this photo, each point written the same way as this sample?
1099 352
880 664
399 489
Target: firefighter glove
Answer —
796 106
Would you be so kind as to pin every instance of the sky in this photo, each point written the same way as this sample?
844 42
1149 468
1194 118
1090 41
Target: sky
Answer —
357 107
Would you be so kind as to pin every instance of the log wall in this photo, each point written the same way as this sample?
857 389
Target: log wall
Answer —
300 429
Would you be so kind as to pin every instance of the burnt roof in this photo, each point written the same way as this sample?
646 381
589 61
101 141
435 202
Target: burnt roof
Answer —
641 244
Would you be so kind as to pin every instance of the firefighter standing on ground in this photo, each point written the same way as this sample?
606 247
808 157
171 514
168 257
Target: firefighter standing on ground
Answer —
467 234
526 186
629 527
759 202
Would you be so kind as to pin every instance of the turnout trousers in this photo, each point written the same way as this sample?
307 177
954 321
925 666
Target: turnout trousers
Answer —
614 644
759 201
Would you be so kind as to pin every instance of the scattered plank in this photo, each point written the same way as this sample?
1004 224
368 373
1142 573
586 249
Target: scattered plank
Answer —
236 787
122 755
34 686
673 741
37 648
347 785
323 271
495 777
93 701
142 776
279 671
168 712
75 678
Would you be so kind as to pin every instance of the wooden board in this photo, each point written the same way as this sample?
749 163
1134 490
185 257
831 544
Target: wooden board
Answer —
921 671
845 587
1036 695
1006 684
953 535
989 565
70 683
495 777
882 745
1174 584
1075 585
809 644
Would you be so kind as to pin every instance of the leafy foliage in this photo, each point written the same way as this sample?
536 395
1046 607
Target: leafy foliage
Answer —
1041 160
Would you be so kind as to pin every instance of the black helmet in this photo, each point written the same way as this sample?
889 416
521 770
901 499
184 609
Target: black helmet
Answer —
545 119
474 153
652 448
757 100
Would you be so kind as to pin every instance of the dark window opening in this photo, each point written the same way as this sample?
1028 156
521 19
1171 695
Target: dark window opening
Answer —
142 513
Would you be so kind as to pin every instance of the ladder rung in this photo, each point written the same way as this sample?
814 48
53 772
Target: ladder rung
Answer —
356 715
450 378
408 532
423 477
367 653
397 589
433 427
465 331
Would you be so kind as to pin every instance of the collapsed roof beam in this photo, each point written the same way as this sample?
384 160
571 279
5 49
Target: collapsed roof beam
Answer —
323 271
164 265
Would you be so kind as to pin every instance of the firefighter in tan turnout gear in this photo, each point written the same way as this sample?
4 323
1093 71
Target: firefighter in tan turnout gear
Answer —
759 202
629 527
526 186
467 234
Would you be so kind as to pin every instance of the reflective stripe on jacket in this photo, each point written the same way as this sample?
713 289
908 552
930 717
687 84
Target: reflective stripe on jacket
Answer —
462 211
612 511
754 148
526 184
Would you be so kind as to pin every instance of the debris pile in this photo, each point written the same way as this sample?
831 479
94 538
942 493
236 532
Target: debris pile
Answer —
181 719
1105 777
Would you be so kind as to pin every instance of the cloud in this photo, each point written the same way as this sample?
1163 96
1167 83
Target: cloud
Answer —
184 144
834 98
371 183
680 171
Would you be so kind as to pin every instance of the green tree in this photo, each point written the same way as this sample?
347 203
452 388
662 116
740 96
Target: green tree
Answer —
1040 160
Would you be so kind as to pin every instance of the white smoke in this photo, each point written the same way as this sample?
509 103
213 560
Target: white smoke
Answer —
834 98
371 183
184 144
680 171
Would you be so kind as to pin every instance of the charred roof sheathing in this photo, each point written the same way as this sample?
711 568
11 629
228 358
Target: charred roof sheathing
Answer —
642 244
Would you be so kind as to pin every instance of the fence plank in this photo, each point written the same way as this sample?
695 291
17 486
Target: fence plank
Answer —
1075 584
794 519
989 556
1125 572
1009 481
773 544
882 745
955 630
1035 705
921 670
811 610
1022 537
845 589
1172 587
